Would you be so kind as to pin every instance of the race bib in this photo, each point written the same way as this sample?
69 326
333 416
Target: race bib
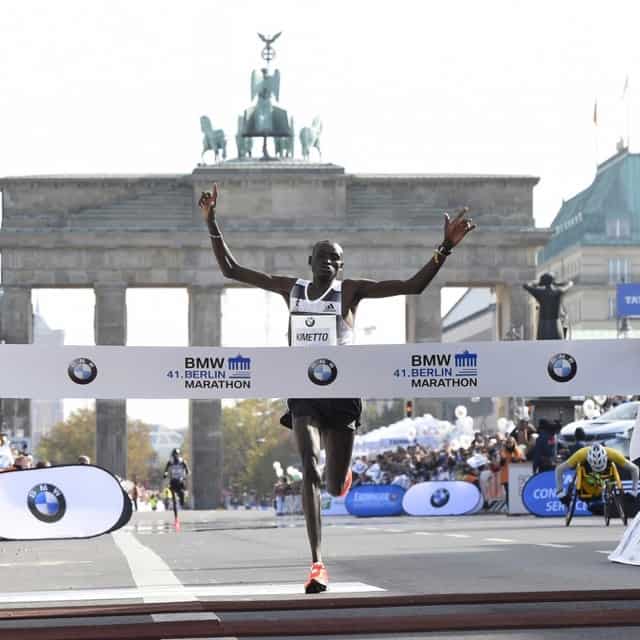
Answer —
313 330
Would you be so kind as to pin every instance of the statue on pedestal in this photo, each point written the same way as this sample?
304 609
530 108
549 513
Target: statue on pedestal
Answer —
548 294
213 140
310 137
244 145
265 120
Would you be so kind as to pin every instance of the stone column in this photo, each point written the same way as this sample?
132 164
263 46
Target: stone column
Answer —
513 312
17 328
110 326
424 324
513 322
205 416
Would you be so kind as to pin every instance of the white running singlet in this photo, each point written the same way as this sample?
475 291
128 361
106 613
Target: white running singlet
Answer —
317 322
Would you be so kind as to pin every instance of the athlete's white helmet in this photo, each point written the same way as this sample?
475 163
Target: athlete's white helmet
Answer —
597 458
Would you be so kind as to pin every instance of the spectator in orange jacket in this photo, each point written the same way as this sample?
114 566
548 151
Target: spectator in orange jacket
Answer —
509 454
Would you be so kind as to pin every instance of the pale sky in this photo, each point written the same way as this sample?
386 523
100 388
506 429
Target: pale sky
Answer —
432 87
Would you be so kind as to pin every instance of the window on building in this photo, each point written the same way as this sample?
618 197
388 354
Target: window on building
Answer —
618 227
619 270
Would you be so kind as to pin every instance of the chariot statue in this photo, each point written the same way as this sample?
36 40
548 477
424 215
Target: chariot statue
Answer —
244 145
264 119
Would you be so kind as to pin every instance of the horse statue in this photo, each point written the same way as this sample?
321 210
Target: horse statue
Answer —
244 144
213 140
310 137
284 144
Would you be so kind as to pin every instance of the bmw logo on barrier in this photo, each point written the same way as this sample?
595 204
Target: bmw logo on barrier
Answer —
47 503
562 367
310 322
440 497
82 370
322 371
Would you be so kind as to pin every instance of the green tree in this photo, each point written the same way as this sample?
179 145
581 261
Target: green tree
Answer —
253 440
76 436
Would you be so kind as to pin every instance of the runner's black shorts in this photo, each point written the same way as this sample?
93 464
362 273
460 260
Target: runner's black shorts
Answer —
330 413
177 485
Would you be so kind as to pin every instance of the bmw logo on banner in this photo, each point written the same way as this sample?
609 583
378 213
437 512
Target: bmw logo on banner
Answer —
562 367
322 371
82 370
47 503
440 497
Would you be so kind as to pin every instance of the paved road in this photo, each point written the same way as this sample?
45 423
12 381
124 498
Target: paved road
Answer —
226 555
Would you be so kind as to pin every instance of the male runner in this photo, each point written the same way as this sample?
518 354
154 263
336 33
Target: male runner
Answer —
177 470
328 304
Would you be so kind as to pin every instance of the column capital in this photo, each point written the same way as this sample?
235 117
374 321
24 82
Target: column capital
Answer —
105 286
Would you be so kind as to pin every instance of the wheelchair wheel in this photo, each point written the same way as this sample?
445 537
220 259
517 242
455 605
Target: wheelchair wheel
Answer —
572 494
607 507
616 498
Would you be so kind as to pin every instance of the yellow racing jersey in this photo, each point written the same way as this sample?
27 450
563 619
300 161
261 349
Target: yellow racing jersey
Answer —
580 457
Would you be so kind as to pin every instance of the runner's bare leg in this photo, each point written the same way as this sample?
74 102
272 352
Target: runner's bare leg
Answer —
338 448
308 440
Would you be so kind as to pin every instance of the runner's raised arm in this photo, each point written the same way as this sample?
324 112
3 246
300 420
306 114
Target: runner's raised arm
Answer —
228 264
454 231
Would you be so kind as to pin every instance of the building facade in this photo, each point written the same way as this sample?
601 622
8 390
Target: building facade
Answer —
596 244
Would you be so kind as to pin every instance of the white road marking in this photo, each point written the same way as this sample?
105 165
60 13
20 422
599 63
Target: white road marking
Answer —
393 530
171 594
498 540
457 535
605 552
44 563
148 569
423 533
553 546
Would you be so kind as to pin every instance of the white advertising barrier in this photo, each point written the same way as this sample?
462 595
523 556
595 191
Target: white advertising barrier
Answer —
538 368
74 501
628 551
446 498
519 473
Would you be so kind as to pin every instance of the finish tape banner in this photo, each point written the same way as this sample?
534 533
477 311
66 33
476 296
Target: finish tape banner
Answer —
72 501
527 368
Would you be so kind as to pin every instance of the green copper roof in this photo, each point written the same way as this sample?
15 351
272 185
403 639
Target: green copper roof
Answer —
614 193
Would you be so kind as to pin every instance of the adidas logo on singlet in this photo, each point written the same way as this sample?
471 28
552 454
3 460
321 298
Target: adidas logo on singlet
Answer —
329 307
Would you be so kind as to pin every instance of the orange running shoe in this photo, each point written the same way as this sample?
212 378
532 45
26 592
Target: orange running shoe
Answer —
318 579
347 484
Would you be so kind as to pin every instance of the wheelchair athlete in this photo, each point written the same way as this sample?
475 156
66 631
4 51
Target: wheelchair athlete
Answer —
594 464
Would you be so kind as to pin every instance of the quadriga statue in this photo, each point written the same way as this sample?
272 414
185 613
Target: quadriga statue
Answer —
213 139
310 137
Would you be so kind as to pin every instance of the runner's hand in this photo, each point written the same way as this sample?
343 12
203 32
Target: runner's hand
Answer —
207 203
457 228
561 494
